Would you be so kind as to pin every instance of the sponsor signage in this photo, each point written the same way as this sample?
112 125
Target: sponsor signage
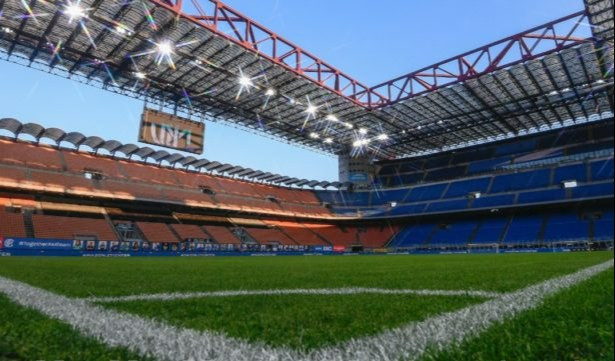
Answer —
358 177
41 244
170 131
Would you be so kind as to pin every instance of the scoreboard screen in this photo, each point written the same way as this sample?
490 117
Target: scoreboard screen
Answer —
171 131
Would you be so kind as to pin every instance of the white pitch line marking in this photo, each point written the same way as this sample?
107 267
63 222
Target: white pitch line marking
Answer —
297 291
164 342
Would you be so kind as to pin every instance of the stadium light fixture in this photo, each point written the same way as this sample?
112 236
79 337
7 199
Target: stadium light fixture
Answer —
140 75
569 183
475 195
362 131
245 81
331 118
164 48
382 136
328 140
348 125
314 135
270 92
74 11
311 109
360 142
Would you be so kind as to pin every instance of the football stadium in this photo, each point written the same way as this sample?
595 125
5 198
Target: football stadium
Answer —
470 216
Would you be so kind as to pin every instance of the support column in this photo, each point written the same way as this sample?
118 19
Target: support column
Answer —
359 170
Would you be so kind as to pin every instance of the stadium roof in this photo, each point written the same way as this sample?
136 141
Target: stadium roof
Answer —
215 63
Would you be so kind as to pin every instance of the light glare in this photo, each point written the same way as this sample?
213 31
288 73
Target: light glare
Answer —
74 11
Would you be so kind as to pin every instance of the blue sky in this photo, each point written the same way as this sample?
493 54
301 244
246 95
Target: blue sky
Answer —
370 40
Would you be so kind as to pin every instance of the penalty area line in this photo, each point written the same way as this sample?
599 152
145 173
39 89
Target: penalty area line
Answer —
165 342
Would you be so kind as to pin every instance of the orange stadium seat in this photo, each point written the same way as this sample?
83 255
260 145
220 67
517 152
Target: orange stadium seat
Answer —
125 179
11 224
157 232
373 237
269 235
32 155
221 234
60 227
335 234
78 162
299 233
148 173
187 231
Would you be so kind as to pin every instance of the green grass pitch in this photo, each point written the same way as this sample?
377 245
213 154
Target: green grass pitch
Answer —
575 324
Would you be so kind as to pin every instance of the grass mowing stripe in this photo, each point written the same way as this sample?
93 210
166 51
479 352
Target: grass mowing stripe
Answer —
83 277
165 342
576 324
25 334
294 291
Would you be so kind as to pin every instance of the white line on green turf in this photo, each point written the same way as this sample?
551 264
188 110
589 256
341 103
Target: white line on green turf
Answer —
296 291
156 339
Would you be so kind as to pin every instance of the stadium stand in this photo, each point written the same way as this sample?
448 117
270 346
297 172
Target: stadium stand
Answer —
221 234
157 232
269 236
524 229
554 169
190 232
562 227
60 227
299 233
11 224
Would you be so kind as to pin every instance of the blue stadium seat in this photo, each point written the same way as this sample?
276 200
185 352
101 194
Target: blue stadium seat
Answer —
447 205
518 181
487 165
472 155
408 209
494 201
381 197
354 199
516 147
603 227
524 229
576 172
593 190
426 193
602 169
462 188
566 227
445 173
490 230
548 195
454 234
414 235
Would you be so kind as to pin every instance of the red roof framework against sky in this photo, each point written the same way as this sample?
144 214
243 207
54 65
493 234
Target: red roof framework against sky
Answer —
215 63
